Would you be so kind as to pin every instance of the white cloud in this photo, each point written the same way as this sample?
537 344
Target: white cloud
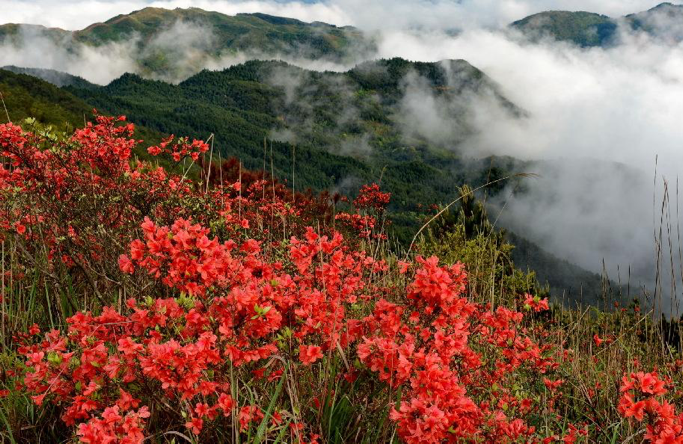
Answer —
599 116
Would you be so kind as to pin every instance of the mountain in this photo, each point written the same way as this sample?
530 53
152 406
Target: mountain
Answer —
663 22
176 43
339 129
581 28
56 78
27 96
566 281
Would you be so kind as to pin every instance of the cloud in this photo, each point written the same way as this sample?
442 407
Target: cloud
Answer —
173 54
598 117
184 49
34 49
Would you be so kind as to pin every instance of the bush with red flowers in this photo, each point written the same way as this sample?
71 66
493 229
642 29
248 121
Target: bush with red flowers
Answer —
217 306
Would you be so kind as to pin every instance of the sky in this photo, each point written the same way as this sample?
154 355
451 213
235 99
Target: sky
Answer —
600 120
376 14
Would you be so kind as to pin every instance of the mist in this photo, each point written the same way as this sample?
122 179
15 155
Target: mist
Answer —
34 49
598 118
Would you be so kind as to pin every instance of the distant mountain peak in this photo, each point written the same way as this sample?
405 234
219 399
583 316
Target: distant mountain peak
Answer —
586 29
275 20
579 27
666 5
173 44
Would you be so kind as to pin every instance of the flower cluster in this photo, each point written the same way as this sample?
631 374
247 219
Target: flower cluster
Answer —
80 200
180 149
236 310
428 348
370 196
222 312
641 399
369 206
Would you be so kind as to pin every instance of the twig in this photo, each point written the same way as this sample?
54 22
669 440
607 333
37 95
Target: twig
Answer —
444 209
2 98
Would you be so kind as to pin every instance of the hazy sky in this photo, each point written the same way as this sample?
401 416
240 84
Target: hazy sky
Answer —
77 14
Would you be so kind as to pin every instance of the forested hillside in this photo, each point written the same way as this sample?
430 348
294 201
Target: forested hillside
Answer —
318 131
586 29
27 97
326 130
173 44
24 96
52 76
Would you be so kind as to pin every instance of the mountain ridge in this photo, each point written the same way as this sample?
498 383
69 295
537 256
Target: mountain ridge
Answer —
588 29
158 39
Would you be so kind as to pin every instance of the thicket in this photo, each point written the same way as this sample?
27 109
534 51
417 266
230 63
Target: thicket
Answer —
140 304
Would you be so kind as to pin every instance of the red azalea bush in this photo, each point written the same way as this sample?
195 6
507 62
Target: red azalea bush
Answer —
238 312
72 205
454 361
222 313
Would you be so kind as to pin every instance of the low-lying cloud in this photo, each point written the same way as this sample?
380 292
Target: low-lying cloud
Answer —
598 118
174 54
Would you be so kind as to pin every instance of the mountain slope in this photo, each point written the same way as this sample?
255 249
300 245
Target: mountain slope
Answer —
27 96
56 78
239 32
581 28
174 44
339 129
663 22
567 282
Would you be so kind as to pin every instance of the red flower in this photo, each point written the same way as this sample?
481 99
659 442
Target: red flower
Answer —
308 354
21 229
195 425
125 264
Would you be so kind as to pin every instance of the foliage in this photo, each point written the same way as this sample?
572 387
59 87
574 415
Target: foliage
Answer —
345 128
232 309
584 29
587 29
56 78
25 97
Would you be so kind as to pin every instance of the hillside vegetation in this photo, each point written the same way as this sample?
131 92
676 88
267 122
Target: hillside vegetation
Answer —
152 37
325 130
581 28
143 306
56 78
340 130
587 29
